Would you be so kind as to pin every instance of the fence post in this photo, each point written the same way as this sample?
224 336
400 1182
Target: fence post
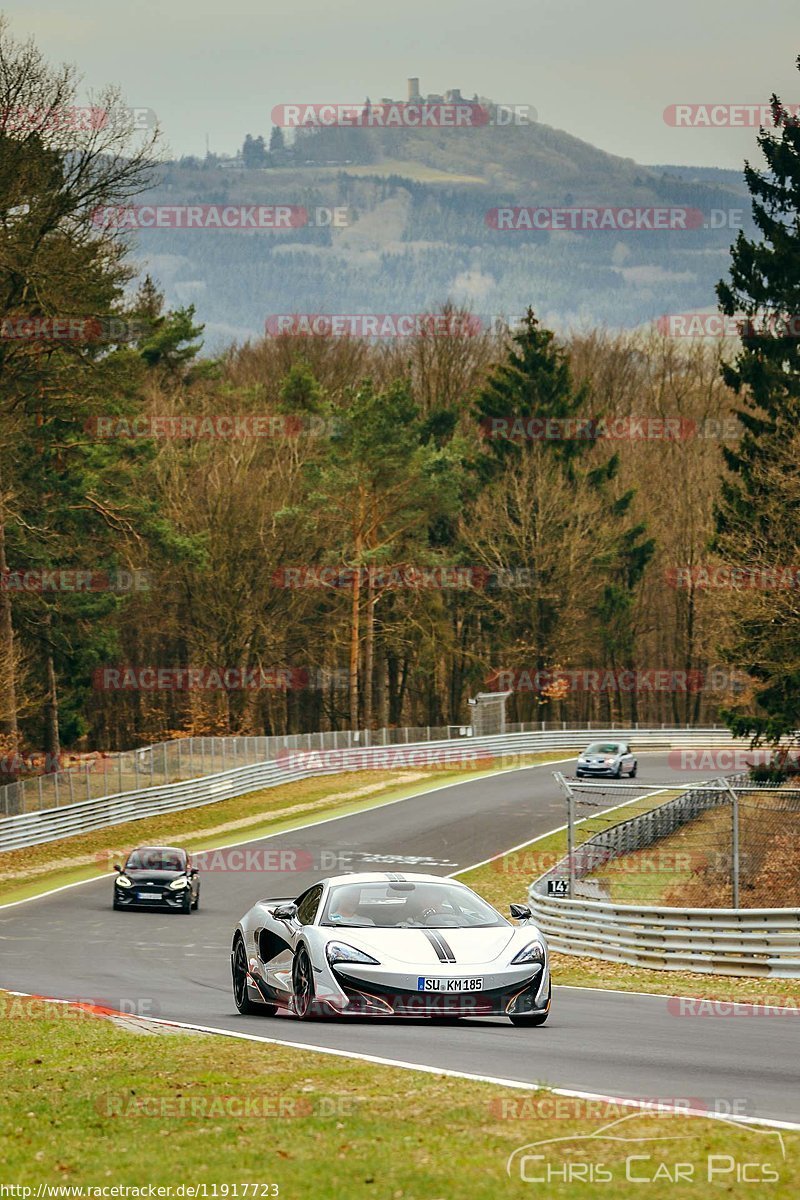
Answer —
734 841
164 745
571 839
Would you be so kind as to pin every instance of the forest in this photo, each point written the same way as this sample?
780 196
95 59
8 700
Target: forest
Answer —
320 532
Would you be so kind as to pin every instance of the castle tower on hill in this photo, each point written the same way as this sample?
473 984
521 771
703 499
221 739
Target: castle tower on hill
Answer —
415 96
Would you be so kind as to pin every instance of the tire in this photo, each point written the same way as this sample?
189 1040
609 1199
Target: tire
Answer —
115 904
634 770
618 773
239 975
579 774
196 904
533 1019
187 907
303 1001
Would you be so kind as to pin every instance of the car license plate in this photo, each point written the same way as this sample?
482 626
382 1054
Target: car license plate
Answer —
427 984
149 896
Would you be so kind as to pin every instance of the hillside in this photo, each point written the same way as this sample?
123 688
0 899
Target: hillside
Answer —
417 232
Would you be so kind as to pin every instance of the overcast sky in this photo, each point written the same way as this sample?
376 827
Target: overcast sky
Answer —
604 72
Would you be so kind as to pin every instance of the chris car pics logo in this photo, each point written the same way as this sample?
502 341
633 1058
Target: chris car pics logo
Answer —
624 1152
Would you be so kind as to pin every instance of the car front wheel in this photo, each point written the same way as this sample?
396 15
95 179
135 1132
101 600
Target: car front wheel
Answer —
305 1005
537 1018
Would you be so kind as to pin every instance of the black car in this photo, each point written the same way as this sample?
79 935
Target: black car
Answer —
157 877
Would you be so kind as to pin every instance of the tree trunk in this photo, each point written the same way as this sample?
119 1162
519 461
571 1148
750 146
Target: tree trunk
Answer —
369 649
355 636
382 718
52 740
8 717
393 681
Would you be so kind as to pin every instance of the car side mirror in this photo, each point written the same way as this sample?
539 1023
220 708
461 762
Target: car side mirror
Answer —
117 867
285 912
520 912
194 871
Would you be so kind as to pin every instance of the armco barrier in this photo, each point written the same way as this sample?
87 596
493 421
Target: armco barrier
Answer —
29 829
720 941
94 776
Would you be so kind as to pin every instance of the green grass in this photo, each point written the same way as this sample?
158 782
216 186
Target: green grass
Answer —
86 1103
654 874
506 880
28 872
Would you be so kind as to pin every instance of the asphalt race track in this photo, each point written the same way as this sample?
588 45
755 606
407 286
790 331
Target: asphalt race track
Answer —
72 945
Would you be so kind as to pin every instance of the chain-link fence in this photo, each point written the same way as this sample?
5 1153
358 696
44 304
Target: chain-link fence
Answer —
729 843
194 757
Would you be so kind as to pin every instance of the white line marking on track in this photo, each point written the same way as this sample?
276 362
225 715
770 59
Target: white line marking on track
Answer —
309 824
424 1068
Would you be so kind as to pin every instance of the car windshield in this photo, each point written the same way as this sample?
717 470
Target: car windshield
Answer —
156 860
603 748
408 905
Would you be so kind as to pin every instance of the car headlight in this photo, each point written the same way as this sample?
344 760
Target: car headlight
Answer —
341 952
123 881
533 952
177 884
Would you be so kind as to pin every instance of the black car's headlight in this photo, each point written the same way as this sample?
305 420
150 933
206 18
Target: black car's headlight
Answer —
177 884
339 952
123 881
532 953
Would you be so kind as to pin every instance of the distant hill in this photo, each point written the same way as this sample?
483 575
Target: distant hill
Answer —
417 232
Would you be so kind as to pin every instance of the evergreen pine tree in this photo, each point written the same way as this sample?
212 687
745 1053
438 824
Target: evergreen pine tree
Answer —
752 529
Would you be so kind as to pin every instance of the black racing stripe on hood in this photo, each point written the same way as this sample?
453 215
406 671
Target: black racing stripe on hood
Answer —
443 950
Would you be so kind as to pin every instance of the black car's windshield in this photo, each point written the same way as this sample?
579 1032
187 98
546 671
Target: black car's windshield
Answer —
603 748
408 905
156 859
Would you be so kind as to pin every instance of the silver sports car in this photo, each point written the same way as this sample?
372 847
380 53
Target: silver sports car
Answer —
607 758
390 945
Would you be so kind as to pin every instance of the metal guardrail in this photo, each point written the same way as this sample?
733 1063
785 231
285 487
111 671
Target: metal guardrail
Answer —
722 941
32 828
110 774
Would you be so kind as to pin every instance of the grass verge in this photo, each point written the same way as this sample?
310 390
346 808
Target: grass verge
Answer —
87 1103
35 869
